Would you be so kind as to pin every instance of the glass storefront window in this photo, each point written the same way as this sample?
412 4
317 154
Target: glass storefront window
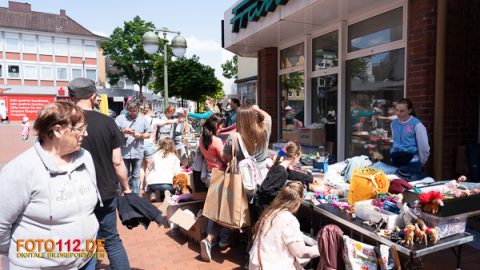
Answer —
381 29
325 51
374 84
324 108
293 97
248 92
292 56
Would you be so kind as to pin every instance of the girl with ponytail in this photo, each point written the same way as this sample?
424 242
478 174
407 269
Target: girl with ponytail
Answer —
278 175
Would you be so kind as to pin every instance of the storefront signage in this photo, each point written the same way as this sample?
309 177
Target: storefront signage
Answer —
252 10
20 106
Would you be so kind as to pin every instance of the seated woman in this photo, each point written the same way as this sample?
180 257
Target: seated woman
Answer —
52 192
163 169
278 241
410 148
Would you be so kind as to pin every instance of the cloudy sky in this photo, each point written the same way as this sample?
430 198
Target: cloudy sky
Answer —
198 21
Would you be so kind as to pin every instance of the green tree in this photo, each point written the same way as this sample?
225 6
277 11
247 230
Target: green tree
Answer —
230 68
187 79
125 49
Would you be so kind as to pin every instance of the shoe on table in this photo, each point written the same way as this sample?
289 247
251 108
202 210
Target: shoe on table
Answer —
206 250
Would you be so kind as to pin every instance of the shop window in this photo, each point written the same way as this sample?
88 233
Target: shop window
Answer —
325 51
381 29
30 72
293 99
292 56
14 71
76 73
374 84
91 74
62 74
11 44
46 73
324 108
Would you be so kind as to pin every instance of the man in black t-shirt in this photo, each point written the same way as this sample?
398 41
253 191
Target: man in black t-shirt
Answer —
104 142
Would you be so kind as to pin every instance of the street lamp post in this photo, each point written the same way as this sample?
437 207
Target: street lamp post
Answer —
151 42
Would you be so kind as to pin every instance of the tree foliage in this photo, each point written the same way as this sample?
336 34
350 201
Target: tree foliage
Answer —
187 79
125 49
230 68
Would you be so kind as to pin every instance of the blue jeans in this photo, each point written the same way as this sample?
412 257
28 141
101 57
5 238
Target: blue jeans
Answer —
133 168
107 218
161 188
90 265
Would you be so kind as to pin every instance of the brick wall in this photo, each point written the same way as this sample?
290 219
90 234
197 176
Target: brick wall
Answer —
267 86
462 73
462 76
421 42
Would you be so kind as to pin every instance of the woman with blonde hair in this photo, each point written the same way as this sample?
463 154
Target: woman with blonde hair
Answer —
210 108
254 126
278 241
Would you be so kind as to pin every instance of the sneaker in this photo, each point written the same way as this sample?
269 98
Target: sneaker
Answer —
205 250
168 196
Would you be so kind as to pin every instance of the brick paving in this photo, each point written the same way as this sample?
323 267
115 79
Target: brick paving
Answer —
161 248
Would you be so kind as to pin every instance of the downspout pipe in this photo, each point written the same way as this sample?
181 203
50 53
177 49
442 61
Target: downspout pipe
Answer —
439 114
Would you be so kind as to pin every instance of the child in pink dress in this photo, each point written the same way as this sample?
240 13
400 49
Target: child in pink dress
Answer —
25 128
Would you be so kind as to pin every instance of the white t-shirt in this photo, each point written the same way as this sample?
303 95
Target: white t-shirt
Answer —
164 169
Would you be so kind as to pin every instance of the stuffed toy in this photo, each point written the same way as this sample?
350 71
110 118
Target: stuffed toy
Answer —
432 234
180 184
420 233
432 201
409 234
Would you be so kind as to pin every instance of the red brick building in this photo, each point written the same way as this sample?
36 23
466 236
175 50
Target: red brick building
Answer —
341 65
40 54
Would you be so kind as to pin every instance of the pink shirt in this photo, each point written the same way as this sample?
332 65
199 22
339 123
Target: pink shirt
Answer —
212 154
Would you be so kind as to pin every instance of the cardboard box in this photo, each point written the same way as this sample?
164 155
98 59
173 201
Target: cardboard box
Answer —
290 135
169 208
311 136
192 224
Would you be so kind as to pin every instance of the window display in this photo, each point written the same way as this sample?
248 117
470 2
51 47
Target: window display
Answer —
374 83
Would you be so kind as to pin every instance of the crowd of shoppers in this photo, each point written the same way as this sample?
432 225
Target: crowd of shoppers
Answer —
67 184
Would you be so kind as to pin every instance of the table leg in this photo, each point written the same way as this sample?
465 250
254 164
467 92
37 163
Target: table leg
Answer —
458 255
414 263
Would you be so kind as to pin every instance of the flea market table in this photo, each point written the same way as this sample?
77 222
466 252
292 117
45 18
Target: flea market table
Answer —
414 252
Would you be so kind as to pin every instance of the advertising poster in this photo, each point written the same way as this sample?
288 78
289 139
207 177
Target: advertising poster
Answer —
20 106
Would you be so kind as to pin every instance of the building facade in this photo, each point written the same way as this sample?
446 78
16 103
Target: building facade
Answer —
40 54
337 67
